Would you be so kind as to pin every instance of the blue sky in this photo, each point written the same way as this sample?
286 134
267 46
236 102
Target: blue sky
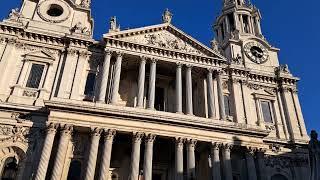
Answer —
293 26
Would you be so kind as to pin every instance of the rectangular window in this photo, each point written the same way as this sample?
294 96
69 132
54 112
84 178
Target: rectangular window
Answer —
91 80
266 111
227 108
35 76
159 99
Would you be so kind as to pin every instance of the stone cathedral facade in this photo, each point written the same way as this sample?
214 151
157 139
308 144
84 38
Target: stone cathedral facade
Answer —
145 103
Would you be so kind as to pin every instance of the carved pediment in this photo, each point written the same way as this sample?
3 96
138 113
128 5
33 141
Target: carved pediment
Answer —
40 56
165 37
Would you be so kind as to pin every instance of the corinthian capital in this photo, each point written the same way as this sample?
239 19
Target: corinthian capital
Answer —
52 128
149 138
137 136
109 134
95 131
66 129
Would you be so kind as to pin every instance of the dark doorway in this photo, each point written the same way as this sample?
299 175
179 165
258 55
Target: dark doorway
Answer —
10 169
159 99
74 170
156 177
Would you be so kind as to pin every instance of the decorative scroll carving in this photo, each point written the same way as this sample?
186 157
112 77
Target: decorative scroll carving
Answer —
15 133
30 93
79 28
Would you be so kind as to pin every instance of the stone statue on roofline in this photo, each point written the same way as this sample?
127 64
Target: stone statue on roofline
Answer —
114 26
314 151
167 16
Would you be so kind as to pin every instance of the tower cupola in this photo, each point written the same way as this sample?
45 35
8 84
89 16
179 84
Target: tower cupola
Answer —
238 17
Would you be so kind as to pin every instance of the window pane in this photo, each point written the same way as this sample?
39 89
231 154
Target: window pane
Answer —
35 76
266 111
89 90
227 105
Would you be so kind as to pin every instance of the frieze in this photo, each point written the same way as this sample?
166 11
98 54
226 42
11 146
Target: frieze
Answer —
283 162
254 86
30 93
164 39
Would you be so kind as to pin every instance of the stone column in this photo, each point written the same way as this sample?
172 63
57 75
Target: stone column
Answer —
92 160
179 158
141 81
215 161
261 165
148 156
65 136
259 115
152 83
220 95
78 85
191 161
6 64
135 156
189 108
116 80
46 152
227 168
106 154
252 175
179 88
211 107
104 77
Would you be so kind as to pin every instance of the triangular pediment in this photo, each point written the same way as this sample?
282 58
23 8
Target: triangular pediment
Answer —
164 36
40 56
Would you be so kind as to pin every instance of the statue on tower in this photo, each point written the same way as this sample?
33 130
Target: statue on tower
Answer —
314 149
114 27
167 16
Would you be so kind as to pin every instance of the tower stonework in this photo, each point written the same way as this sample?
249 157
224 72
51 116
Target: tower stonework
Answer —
145 103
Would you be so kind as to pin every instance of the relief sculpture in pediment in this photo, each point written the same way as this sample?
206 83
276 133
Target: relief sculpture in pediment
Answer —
165 40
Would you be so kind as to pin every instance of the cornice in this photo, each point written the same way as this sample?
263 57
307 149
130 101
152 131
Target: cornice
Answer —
154 116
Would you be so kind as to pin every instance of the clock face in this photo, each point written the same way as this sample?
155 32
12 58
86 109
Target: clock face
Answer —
256 52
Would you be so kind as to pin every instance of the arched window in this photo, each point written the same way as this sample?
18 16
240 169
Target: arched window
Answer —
10 169
278 177
74 170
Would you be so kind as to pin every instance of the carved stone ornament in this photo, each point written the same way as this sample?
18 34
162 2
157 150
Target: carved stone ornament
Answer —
20 117
283 162
79 28
237 60
42 11
15 133
215 45
284 68
276 148
164 39
15 15
85 3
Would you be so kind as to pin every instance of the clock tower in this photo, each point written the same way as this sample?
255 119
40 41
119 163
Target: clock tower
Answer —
240 39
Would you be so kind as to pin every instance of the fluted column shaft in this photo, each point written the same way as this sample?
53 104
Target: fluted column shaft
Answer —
135 156
215 162
106 154
189 106
104 76
92 160
116 80
46 152
210 94
179 88
227 168
191 161
152 83
61 153
252 175
179 159
148 156
141 81
220 96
